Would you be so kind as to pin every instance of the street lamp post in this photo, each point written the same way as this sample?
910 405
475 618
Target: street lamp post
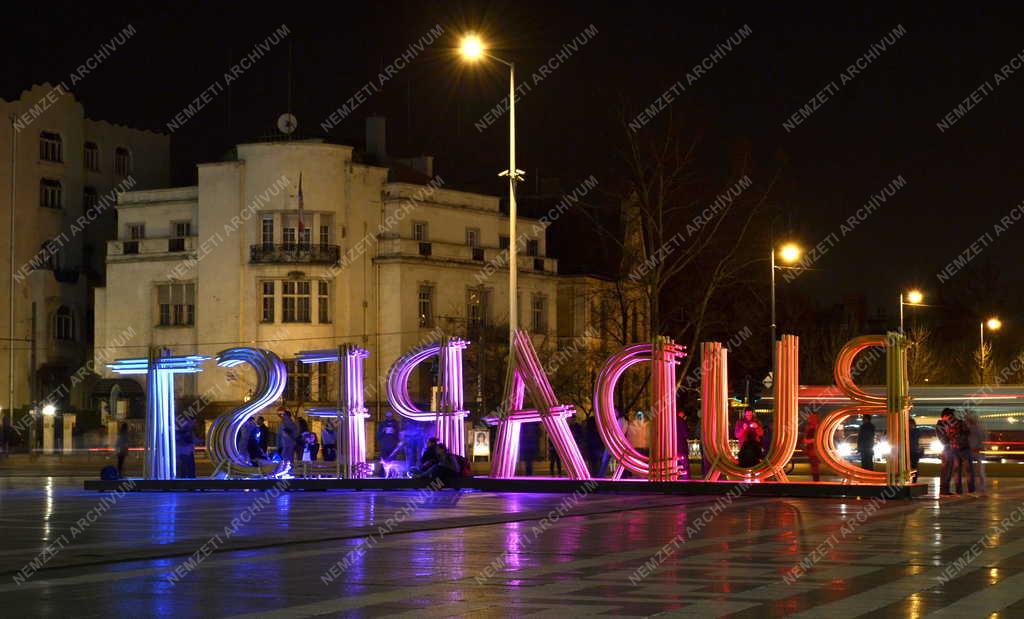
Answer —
472 49
993 324
914 297
788 253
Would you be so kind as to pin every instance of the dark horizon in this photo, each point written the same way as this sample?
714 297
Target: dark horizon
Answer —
880 124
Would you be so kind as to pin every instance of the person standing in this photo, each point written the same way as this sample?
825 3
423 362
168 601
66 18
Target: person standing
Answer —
960 440
329 438
121 447
942 433
866 443
638 432
683 444
529 445
915 450
554 459
811 447
976 438
287 436
749 433
388 433
595 446
264 435
185 447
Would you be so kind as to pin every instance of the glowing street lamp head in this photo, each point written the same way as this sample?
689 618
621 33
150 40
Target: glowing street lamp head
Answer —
993 324
914 297
790 253
471 48
49 410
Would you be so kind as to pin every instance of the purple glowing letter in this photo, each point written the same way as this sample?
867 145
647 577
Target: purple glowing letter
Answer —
160 462
351 409
451 429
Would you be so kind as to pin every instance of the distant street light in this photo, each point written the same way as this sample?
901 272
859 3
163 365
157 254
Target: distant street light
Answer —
49 410
789 253
993 324
913 297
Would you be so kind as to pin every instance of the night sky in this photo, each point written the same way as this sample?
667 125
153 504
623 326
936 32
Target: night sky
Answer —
879 125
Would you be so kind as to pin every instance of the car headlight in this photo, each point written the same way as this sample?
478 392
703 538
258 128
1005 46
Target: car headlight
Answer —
844 449
935 447
882 447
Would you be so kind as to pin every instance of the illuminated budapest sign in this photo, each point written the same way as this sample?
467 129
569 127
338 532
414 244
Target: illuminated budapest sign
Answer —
529 382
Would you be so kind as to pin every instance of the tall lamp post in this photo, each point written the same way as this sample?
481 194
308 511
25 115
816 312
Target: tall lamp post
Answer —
472 49
992 324
789 253
914 297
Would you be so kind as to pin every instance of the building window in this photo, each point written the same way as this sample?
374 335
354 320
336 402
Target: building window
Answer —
539 313
425 305
305 238
51 193
64 324
325 391
473 237
288 238
180 230
49 256
267 232
177 304
295 301
420 232
136 232
296 388
92 157
503 241
476 307
51 147
268 301
323 299
325 235
89 198
122 161
532 247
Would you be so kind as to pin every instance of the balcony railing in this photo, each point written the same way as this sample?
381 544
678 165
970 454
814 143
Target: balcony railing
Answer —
309 253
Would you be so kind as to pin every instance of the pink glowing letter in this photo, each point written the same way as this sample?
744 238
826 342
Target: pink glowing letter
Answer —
664 356
715 414
528 375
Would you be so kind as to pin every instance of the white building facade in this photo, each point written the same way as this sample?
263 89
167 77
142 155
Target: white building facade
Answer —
235 261
59 176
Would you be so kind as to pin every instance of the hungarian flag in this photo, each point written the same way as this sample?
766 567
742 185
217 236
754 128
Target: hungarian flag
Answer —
302 221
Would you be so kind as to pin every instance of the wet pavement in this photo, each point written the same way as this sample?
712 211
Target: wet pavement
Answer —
67 552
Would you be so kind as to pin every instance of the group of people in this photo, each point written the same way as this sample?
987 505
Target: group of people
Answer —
962 438
295 440
440 465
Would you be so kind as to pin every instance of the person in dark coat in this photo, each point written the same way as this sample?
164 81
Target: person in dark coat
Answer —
446 467
594 446
388 433
946 418
529 445
329 438
121 447
811 447
866 443
683 444
254 444
264 434
916 450
749 433
287 438
185 447
960 440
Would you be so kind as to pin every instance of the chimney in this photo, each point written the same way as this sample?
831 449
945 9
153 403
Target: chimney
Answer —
376 137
